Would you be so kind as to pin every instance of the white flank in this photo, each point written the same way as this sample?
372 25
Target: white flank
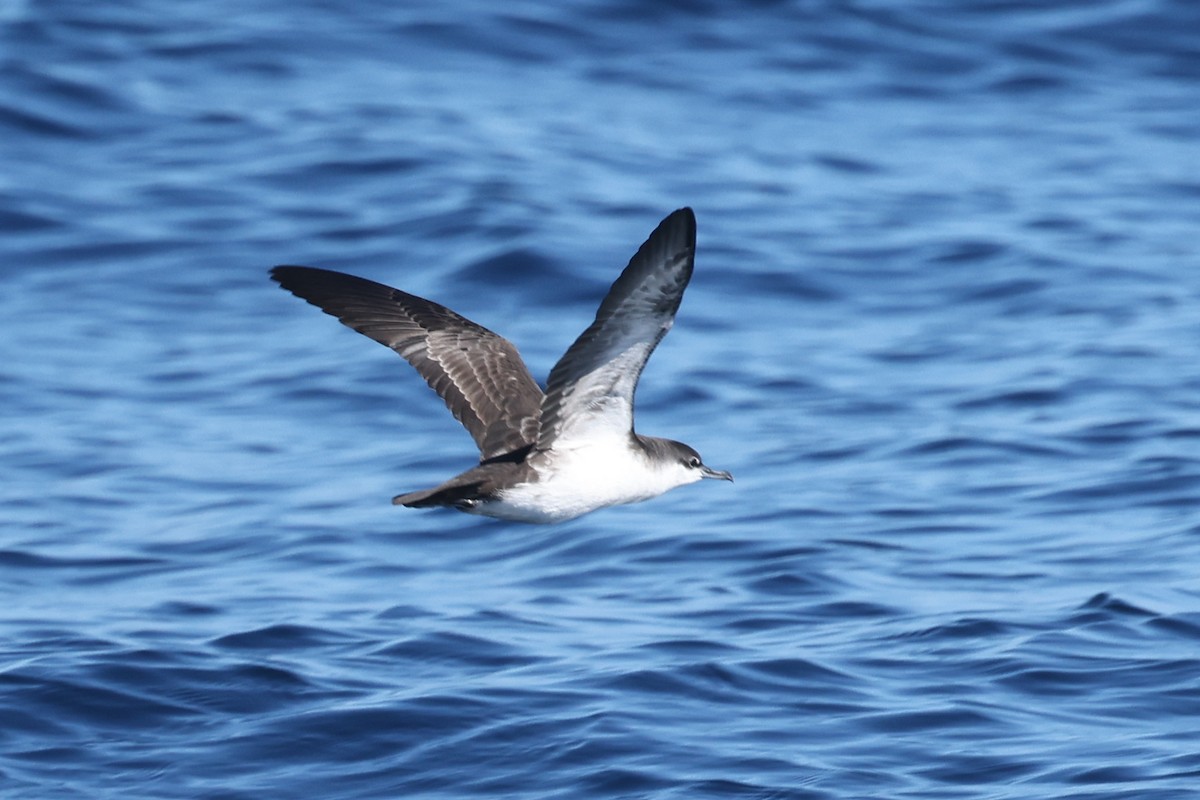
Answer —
589 476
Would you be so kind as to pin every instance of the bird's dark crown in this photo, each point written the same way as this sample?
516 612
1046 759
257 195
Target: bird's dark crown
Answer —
669 450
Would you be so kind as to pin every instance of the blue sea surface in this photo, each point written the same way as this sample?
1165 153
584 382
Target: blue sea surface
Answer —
944 329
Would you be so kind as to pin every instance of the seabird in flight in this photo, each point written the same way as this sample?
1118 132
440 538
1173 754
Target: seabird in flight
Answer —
544 456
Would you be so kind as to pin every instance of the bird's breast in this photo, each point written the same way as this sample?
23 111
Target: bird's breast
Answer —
576 481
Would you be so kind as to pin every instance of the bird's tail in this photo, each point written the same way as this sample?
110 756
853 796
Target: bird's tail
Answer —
438 496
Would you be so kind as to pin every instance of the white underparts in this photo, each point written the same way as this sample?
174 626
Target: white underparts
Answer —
586 477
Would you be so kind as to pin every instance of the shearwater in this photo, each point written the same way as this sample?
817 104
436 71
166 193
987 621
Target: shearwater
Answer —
544 456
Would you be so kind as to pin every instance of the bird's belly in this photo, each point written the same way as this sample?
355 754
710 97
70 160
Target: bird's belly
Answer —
575 484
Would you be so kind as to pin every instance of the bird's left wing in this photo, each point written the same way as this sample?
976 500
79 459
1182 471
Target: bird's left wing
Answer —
589 394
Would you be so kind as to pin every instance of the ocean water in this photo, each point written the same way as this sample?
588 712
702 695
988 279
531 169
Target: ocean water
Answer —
944 329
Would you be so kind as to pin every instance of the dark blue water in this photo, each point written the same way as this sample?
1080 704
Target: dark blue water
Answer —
944 329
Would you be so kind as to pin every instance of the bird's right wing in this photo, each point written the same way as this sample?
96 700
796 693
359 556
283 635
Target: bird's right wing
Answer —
479 374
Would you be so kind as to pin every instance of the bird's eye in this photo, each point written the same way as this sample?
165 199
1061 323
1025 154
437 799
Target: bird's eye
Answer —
693 462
